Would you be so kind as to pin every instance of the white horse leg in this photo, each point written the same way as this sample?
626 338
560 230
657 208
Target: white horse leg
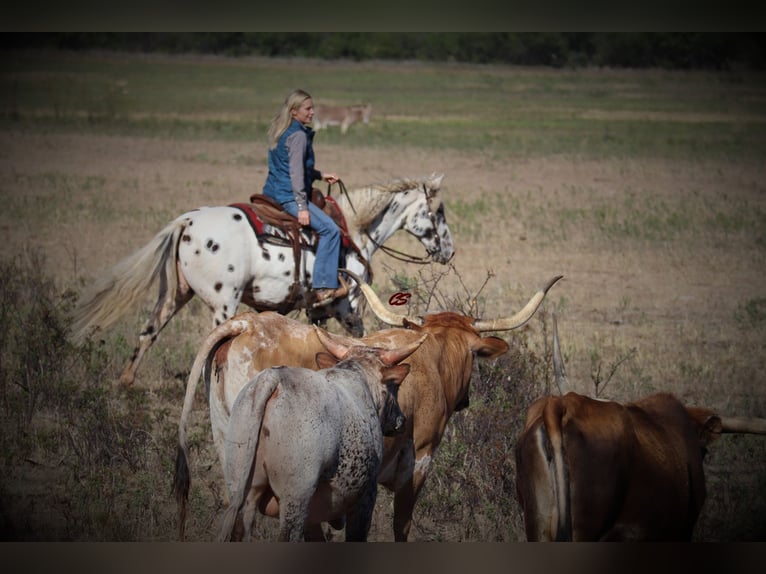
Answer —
168 304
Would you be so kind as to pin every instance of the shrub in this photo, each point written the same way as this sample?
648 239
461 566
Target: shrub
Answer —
470 494
64 437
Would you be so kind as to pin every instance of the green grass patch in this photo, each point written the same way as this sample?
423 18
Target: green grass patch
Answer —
752 313
516 112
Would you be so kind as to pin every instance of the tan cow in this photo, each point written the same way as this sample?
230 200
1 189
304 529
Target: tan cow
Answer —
437 386
590 470
343 116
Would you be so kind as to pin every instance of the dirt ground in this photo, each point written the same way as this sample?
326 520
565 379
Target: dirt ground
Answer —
671 303
107 196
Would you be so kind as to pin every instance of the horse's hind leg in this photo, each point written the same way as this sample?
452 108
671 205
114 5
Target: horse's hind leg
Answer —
168 304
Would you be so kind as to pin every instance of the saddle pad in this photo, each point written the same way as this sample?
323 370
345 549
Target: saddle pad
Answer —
264 217
267 230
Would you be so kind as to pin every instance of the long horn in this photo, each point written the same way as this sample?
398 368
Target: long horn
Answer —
338 349
748 426
393 356
558 361
377 306
510 323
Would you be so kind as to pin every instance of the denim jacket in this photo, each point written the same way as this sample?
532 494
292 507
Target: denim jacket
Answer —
285 185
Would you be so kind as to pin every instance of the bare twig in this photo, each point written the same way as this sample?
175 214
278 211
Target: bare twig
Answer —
600 384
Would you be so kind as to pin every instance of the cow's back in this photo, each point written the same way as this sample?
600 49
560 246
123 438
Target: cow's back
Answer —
316 430
237 360
565 442
668 485
631 472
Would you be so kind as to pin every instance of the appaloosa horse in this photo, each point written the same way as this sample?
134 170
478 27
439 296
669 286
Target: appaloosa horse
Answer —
213 252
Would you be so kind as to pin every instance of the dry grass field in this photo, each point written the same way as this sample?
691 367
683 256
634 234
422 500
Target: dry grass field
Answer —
664 289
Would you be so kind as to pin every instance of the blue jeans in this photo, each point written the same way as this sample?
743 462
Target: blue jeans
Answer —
325 273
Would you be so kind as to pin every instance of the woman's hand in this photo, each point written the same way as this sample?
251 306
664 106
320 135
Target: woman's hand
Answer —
330 178
303 217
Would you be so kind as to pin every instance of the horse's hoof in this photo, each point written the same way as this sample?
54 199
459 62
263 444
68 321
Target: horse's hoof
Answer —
126 380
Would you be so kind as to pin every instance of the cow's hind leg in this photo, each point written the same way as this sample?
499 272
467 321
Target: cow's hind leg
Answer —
238 530
315 533
359 518
293 512
248 513
168 304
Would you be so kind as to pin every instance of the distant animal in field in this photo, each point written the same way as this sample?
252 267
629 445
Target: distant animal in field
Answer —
590 470
214 253
343 116
313 441
437 386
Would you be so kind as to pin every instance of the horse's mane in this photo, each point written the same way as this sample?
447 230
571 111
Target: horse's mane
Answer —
370 200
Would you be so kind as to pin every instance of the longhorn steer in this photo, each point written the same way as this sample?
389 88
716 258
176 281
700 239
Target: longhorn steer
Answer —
591 470
312 439
438 383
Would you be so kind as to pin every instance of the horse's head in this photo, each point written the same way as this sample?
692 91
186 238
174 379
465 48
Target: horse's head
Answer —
425 219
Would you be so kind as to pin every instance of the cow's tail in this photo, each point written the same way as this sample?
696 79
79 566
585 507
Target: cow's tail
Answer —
561 518
182 479
114 293
242 443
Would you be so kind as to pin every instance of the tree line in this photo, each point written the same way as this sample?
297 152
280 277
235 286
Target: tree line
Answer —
712 51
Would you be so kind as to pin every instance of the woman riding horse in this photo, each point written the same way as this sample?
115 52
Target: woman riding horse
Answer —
291 173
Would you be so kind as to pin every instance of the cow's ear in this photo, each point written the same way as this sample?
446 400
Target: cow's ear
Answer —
490 347
325 360
396 374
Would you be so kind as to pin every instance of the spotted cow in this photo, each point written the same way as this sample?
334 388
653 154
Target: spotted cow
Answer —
313 440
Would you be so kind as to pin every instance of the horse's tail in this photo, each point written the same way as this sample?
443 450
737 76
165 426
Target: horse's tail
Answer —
120 288
182 479
242 443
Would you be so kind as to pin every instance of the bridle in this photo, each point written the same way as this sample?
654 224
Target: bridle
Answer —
390 251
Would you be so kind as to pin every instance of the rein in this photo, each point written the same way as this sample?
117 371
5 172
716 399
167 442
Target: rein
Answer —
390 251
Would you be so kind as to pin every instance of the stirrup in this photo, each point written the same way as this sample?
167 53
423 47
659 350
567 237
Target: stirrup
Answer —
332 294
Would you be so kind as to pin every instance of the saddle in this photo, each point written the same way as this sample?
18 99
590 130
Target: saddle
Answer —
272 223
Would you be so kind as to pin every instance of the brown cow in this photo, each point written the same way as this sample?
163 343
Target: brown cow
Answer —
437 386
591 470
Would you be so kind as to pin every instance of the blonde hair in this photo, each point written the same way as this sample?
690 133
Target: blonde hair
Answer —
283 118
